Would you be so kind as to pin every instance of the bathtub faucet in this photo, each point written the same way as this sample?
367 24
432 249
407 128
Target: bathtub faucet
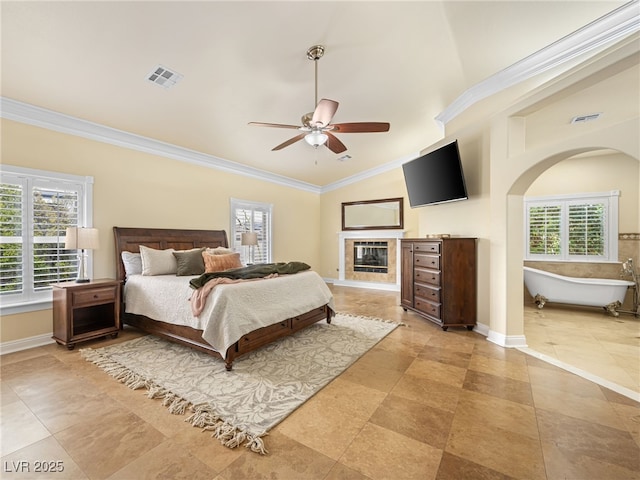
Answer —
629 269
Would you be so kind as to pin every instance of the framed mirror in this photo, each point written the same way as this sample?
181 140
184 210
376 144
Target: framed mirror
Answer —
373 214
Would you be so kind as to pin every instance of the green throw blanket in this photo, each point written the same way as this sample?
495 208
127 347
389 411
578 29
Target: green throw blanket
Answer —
258 270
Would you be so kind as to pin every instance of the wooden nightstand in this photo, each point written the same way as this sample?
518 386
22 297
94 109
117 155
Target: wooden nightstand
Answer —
84 311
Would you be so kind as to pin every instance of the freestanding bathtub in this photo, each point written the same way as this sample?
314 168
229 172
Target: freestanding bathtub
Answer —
592 292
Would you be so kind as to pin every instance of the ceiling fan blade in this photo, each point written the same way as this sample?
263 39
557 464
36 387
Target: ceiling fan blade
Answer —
334 144
276 125
289 142
324 112
360 127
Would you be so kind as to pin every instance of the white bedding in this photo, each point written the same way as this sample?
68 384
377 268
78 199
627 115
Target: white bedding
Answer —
231 310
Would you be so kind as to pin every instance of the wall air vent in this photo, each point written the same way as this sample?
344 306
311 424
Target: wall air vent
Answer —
164 77
586 118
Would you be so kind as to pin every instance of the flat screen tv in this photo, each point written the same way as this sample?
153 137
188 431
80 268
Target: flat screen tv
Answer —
435 177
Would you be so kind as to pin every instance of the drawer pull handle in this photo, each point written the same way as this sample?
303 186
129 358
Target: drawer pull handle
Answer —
95 296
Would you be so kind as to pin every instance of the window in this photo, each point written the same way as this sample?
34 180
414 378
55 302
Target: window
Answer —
572 228
36 207
251 217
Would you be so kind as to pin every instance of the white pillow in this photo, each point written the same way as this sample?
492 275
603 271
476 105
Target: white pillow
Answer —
132 263
158 262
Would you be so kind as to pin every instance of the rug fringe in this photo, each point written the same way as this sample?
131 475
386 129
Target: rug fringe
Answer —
204 415
229 435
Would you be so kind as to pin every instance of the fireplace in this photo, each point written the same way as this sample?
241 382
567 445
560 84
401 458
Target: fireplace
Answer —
370 259
370 256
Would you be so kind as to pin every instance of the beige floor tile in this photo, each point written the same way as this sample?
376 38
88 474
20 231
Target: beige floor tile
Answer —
504 451
42 460
376 451
19 428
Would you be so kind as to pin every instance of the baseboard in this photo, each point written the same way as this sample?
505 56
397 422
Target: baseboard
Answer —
390 287
482 329
507 341
26 343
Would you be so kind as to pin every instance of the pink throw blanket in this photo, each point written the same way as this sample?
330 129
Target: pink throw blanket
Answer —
199 297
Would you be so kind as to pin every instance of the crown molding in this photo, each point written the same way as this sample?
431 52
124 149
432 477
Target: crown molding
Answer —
615 25
368 173
41 117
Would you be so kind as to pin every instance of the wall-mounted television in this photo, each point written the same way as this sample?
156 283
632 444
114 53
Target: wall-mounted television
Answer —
435 177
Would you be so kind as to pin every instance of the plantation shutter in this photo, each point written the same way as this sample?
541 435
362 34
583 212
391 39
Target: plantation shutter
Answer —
544 236
587 225
11 214
252 217
54 209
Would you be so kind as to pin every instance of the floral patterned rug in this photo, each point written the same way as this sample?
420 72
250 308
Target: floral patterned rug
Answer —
239 407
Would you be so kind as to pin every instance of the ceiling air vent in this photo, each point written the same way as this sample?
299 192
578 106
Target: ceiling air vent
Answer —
163 76
586 118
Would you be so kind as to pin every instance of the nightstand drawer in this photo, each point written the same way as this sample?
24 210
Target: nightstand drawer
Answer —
94 296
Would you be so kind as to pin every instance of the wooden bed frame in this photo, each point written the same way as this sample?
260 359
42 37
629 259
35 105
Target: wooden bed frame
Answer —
130 239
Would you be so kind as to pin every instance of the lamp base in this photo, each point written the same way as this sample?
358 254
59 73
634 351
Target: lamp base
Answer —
83 280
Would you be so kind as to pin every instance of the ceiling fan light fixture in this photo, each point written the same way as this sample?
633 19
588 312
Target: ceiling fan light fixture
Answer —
315 139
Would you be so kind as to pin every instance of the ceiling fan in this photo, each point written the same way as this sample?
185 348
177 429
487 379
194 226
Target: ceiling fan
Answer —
316 127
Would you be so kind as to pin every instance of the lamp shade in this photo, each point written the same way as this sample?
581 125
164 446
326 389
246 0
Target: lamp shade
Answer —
315 139
81 238
249 238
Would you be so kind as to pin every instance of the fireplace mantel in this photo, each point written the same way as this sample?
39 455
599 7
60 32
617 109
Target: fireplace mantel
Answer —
390 235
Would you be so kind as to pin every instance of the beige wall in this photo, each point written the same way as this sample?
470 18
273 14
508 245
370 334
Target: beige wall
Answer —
135 189
386 185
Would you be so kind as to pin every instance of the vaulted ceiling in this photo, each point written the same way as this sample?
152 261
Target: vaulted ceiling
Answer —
385 61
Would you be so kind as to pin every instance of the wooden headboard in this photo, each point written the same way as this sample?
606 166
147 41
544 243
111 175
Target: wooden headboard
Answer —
130 239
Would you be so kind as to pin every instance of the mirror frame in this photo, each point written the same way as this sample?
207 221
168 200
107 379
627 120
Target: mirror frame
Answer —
399 225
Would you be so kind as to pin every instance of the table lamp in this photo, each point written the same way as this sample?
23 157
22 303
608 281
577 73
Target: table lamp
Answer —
81 239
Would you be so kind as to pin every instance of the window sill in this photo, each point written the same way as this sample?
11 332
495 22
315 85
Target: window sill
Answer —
26 307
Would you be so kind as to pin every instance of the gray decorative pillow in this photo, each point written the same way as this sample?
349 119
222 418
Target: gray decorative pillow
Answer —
132 263
190 262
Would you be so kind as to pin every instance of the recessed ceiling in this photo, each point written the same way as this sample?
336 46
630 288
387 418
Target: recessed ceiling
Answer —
397 62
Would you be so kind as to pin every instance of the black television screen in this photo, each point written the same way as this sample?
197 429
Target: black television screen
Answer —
435 177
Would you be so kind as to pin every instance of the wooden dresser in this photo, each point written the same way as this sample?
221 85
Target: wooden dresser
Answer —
438 280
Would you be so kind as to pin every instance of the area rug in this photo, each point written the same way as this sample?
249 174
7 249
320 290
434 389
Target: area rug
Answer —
264 387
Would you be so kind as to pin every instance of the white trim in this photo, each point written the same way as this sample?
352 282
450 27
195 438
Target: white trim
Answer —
383 234
613 26
372 172
41 117
584 374
507 341
611 202
13 346
482 329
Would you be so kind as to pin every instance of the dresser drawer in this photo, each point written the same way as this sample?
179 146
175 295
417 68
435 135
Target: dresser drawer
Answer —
427 292
427 247
423 275
94 296
430 308
426 261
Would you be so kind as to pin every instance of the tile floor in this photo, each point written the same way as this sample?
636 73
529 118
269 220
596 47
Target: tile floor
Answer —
423 404
589 340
